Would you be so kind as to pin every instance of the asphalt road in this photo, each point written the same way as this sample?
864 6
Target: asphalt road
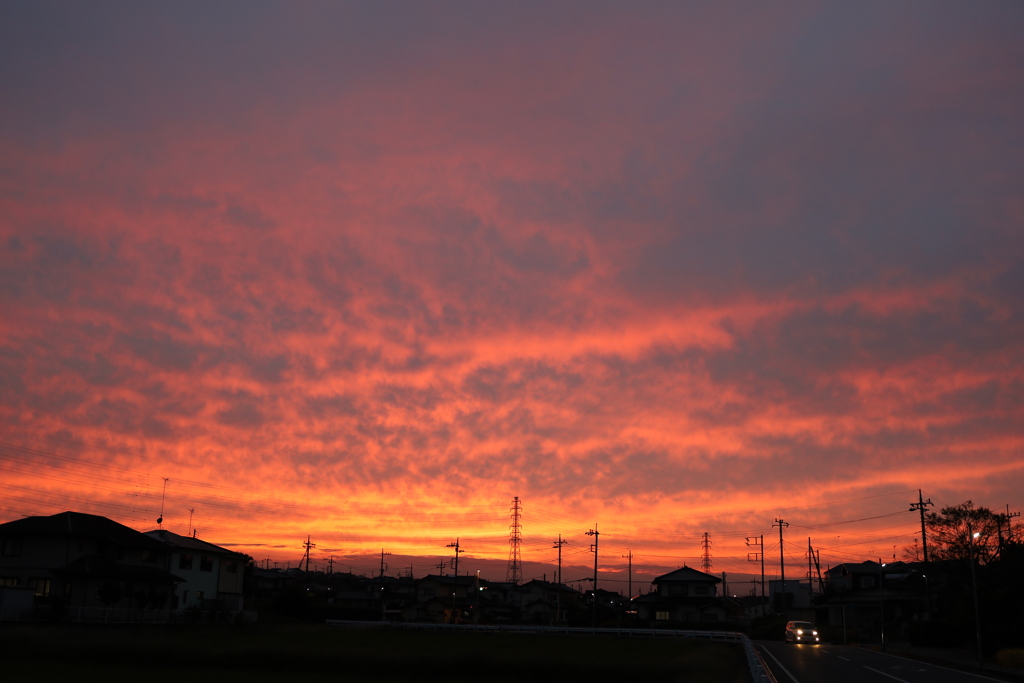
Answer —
843 664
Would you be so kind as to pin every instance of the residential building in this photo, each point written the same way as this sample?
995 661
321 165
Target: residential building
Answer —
211 576
77 560
685 595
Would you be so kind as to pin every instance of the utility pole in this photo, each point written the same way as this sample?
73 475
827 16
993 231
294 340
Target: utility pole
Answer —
383 564
593 548
1009 528
629 570
440 567
330 565
705 562
457 552
817 566
455 588
810 573
758 541
1005 518
308 546
920 505
782 560
514 575
558 544
558 600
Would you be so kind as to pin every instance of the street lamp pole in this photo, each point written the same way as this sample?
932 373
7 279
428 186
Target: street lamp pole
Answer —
974 587
881 600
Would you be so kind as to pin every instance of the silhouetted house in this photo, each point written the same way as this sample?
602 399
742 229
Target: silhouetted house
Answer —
793 597
858 596
685 596
211 576
268 583
545 602
446 599
77 560
396 596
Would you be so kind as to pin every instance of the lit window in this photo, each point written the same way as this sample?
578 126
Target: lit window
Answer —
661 616
41 587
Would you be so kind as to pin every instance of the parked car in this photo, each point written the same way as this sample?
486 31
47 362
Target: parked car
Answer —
801 632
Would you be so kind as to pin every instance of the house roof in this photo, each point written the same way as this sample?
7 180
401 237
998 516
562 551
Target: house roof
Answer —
189 543
690 574
868 567
72 524
452 580
548 585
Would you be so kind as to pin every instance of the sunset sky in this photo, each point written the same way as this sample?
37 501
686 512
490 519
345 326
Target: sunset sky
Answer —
365 271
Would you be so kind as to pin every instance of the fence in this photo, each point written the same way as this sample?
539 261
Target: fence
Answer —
113 615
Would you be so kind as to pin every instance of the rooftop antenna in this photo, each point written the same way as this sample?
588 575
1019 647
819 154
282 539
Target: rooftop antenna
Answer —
190 511
160 519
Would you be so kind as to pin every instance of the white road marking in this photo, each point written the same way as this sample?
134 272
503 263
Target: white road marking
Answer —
885 674
843 658
939 666
792 677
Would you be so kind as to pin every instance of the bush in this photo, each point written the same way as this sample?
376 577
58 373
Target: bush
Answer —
1011 657
937 633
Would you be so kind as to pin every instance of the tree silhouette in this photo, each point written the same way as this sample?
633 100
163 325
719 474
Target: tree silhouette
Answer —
950 533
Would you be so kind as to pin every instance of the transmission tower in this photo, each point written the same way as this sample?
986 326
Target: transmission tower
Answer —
705 560
515 569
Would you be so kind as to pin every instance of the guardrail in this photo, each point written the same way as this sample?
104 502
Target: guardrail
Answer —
759 672
120 615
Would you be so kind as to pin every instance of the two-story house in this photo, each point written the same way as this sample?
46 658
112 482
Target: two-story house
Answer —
685 595
211 576
85 561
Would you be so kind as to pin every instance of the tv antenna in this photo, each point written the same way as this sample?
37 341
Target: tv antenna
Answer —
160 519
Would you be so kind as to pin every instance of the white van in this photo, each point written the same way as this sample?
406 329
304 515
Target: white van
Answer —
801 632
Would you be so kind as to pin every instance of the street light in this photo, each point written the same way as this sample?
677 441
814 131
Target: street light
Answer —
881 599
974 587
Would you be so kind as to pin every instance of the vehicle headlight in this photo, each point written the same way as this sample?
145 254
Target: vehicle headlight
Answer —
799 632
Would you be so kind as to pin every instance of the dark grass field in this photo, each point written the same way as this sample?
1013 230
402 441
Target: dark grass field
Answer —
306 652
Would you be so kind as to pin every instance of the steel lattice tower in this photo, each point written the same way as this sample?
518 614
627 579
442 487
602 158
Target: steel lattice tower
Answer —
705 560
515 568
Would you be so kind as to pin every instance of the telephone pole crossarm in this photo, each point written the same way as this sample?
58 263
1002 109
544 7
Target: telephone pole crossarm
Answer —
921 505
